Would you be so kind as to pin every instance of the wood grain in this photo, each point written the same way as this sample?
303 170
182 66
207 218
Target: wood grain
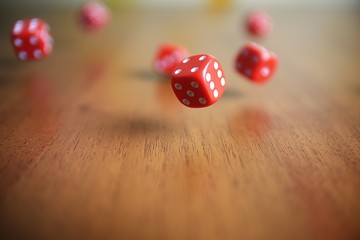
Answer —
93 144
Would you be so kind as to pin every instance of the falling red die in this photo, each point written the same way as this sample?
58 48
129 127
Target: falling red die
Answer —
94 16
198 81
31 39
259 24
256 63
167 56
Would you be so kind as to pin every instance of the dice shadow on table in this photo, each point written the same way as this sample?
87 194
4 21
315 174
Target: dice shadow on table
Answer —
116 124
147 75
145 125
231 93
140 126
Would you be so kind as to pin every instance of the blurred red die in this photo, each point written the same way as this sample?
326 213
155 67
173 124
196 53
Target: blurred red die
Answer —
198 81
259 24
94 16
256 63
31 39
167 56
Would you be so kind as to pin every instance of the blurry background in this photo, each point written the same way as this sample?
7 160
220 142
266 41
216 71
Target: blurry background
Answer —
94 145
188 3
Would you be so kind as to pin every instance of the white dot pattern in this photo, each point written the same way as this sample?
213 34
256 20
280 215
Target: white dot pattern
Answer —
222 82
186 60
219 73
178 71
18 28
22 55
37 54
194 69
216 65
178 86
265 55
34 23
208 77
202 58
194 84
265 71
190 93
18 42
202 100
33 40
186 102
216 93
212 85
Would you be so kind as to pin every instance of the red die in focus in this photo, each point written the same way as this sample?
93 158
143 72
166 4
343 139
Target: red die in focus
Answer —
198 81
94 16
259 24
256 63
167 57
31 39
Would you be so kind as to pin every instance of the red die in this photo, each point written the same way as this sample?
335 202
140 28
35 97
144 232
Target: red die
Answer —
198 81
31 39
167 57
94 16
259 23
256 63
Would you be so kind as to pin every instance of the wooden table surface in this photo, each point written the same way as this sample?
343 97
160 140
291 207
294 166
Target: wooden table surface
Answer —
94 145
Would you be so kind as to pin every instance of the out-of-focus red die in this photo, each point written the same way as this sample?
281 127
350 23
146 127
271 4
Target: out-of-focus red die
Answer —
198 81
256 63
259 23
94 16
31 39
168 55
